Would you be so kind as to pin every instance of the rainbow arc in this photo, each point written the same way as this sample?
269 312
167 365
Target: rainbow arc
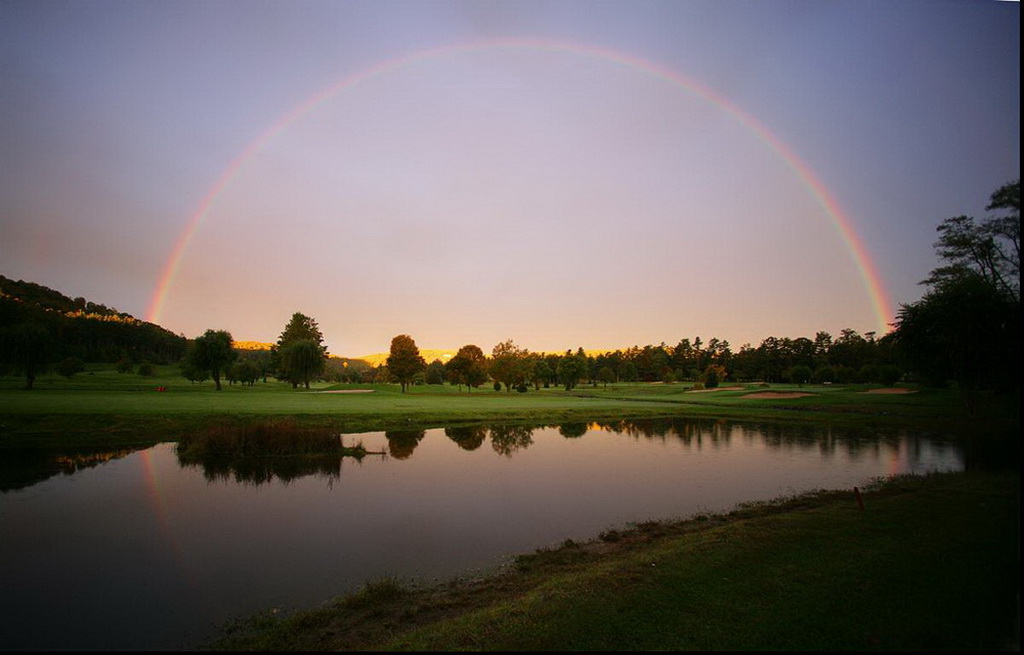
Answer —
871 281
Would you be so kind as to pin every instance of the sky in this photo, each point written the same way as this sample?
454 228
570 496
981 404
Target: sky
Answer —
599 174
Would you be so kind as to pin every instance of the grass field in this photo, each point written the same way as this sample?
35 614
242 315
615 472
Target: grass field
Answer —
101 407
930 564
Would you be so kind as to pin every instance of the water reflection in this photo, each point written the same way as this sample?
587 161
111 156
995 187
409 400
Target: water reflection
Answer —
21 469
573 430
148 536
401 443
469 437
507 439
260 452
262 470
24 468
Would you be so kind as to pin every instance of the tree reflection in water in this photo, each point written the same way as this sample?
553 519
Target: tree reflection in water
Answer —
263 470
573 430
24 468
468 437
261 451
507 439
401 443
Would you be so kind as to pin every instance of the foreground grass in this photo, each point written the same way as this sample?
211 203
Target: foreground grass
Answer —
930 564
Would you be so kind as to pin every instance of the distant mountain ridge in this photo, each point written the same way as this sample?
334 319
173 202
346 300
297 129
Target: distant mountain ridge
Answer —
252 345
430 354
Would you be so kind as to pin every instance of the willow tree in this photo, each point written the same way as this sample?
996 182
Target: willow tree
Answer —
211 353
301 361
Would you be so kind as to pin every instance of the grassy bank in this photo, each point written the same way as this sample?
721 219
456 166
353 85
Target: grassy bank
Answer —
103 408
930 564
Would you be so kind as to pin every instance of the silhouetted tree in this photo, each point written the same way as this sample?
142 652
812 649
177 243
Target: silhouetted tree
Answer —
989 250
404 362
211 353
967 325
300 327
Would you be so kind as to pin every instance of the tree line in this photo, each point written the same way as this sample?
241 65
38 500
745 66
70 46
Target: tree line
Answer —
965 328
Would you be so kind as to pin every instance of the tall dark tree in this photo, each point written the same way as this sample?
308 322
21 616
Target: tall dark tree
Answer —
301 326
404 361
300 366
967 325
212 353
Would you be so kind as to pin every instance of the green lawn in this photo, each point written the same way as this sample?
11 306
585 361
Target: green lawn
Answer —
101 407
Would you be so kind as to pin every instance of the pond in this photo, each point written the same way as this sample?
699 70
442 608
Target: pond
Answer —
136 550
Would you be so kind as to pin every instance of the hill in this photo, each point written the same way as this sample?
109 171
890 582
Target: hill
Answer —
85 329
47 299
428 354
251 345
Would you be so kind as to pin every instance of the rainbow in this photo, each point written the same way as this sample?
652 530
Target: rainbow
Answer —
872 282
158 502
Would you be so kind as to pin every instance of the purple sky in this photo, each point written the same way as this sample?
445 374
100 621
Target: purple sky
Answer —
553 196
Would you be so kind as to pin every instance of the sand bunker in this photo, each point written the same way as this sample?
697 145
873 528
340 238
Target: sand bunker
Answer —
716 389
777 394
891 390
347 391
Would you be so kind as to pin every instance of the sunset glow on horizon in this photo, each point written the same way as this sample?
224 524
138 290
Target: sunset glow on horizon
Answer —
601 174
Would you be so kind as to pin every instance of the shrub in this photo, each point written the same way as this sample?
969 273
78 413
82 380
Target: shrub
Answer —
124 365
147 370
69 366
497 385
712 375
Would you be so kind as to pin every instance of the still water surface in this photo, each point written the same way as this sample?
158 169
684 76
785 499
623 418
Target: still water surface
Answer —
141 552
